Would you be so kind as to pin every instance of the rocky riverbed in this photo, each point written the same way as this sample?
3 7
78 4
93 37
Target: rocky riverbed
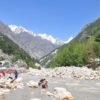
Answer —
84 88
80 89
67 72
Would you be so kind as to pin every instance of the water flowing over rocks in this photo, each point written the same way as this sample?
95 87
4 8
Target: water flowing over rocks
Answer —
62 94
67 72
4 91
64 83
6 86
32 84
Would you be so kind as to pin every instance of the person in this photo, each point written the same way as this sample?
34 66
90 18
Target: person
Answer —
43 83
15 76
0 64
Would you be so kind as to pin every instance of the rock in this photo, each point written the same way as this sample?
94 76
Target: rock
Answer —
19 80
20 63
7 83
49 94
63 94
20 85
4 91
98 68
67 72
32 84
14 85
1 93
2 86
22 70
11 86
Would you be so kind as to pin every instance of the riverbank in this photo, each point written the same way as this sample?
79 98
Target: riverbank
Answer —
67 72
82 88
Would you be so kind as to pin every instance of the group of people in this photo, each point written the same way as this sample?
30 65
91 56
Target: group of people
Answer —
12 74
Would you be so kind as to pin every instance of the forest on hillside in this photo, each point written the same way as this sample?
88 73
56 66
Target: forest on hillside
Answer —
10 48
83 50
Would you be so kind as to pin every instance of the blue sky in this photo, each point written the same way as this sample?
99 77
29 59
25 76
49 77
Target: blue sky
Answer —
60 18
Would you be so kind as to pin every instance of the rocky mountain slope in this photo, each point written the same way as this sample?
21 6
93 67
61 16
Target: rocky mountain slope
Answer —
34 45
12 52
89 30
19 29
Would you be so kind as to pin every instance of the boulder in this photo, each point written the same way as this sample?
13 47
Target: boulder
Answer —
20 85
11 86
19 80
4 91
32 84
62 94
49 94
7 83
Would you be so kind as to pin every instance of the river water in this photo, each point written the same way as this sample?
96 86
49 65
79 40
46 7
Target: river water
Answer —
80 89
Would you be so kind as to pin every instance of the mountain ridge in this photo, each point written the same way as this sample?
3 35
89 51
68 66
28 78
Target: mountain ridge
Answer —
9 48
19 29
83 50
36 47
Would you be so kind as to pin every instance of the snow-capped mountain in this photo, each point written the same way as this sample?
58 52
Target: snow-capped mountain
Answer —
36 45
70 39
19 29
51 39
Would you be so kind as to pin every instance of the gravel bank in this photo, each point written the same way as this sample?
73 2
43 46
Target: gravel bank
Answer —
67 72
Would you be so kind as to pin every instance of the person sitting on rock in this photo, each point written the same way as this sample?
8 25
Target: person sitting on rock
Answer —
15 76
43 83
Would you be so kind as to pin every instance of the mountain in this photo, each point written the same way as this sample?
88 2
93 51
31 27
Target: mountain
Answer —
12 52
19 29
50 43
37 46
84 49
89 30
33 44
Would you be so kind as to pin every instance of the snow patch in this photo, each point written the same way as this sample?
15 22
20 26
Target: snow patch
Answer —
70 39
19 29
